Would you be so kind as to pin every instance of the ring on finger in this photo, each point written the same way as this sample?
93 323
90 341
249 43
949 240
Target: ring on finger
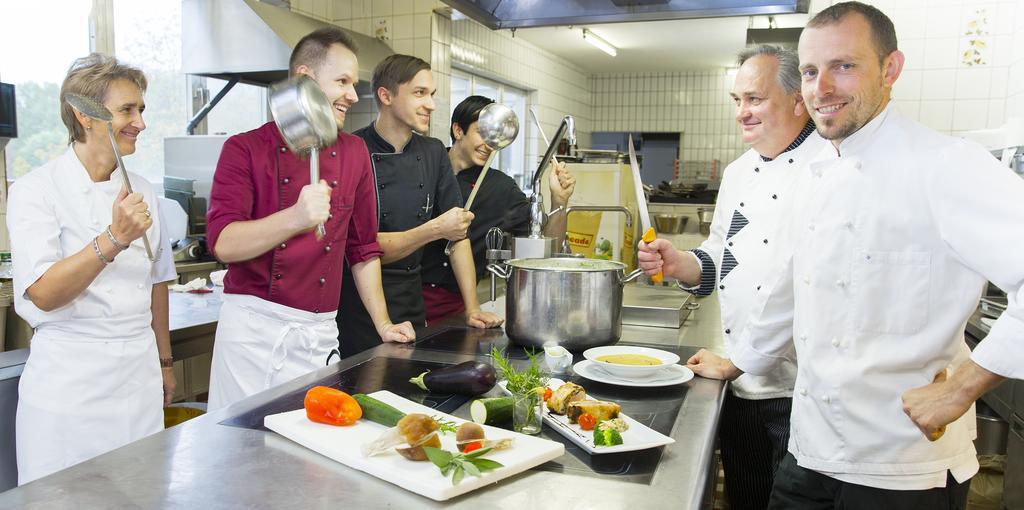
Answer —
146 213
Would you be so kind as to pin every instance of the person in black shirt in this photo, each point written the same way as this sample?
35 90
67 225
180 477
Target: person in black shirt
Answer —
418 201
499 203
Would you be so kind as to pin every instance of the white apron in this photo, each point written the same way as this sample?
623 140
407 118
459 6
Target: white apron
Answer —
79 398
261 344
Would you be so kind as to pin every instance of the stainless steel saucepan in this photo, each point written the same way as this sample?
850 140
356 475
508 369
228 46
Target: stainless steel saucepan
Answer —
499 127
305 119
95 110
575 303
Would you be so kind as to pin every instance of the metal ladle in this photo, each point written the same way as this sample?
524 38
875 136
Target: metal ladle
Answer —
499 127
305 119
97 111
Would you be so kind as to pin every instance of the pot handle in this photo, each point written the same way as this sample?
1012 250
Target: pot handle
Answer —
636 273
500 270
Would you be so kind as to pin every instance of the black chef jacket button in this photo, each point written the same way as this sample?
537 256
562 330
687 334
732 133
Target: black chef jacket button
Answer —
419 215
381 186
327 248
323 281
283 149
775 197
283 246
421 184
385 215
334 154
721 287
765 241
730 243
728 331
408 268
758 287
334 183
277 276
419 158
287 180
757 169
790 160
741 204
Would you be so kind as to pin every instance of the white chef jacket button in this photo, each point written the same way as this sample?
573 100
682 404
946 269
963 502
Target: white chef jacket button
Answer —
807 281
835 342
849 225
857 165
139 286
826 398
810 226
803 337
803 391
841 283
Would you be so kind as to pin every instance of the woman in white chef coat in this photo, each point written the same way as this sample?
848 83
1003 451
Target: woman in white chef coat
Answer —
100 366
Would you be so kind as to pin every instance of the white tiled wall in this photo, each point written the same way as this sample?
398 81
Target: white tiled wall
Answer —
696 103
1015 76
936 87
557 87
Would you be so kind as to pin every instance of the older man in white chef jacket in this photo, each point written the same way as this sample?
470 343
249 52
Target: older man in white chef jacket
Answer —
755 191
894 232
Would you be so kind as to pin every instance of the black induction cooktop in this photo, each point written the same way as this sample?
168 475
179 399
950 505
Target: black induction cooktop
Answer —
380 373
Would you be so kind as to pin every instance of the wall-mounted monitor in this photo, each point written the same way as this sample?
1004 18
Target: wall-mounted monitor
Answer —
8 115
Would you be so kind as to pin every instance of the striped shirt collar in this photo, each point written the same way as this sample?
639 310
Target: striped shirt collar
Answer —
804 133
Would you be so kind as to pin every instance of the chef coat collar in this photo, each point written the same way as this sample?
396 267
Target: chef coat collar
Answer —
860 140
381 145
800 138
79 175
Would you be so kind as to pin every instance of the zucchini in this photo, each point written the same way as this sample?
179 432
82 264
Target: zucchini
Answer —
377 411
491 411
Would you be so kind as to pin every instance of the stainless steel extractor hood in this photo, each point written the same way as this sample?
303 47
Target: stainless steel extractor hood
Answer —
497 14
251 41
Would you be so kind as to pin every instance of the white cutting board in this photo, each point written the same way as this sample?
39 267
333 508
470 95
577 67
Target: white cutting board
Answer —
342 444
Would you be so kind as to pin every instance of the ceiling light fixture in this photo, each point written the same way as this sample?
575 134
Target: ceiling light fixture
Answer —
599 43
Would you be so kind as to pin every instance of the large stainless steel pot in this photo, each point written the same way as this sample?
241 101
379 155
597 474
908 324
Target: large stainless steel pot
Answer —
574 303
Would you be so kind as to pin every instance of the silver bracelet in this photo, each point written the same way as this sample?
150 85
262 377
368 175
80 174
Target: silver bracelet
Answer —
99 254
119 246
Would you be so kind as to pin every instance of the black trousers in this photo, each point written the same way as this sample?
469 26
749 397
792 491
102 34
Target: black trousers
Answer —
753 437
798 488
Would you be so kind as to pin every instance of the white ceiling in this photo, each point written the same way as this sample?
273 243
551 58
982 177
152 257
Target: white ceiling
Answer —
654 46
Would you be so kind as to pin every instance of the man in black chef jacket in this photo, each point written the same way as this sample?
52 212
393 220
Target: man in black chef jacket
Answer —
499 203
418 201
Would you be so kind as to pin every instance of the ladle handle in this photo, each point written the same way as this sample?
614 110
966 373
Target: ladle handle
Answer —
127 183
314 178
472 196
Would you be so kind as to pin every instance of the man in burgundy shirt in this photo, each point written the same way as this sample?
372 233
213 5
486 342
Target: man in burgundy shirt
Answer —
282 287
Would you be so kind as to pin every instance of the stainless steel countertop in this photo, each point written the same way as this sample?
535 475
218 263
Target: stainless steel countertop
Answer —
201 464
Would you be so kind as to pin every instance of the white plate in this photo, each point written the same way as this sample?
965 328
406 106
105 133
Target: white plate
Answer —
637 437
677 374
343 445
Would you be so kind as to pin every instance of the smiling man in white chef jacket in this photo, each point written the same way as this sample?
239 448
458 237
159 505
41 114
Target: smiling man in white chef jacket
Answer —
895 230
756 188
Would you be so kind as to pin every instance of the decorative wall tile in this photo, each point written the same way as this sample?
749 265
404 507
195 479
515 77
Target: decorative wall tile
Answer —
976 41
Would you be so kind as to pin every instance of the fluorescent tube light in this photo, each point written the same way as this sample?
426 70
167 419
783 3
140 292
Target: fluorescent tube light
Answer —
599 43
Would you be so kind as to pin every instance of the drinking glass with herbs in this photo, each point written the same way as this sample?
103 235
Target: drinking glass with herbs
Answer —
527 389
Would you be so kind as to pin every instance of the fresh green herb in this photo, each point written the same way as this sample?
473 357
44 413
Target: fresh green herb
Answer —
445 426
520 382
459 465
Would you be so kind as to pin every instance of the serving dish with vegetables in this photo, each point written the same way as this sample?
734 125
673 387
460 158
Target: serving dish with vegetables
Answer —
597 427
410 445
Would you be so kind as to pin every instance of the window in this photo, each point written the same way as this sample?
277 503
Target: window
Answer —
35 61
147 35
243 108
512 159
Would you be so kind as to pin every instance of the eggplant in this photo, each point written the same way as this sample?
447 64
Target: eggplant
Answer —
468 378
